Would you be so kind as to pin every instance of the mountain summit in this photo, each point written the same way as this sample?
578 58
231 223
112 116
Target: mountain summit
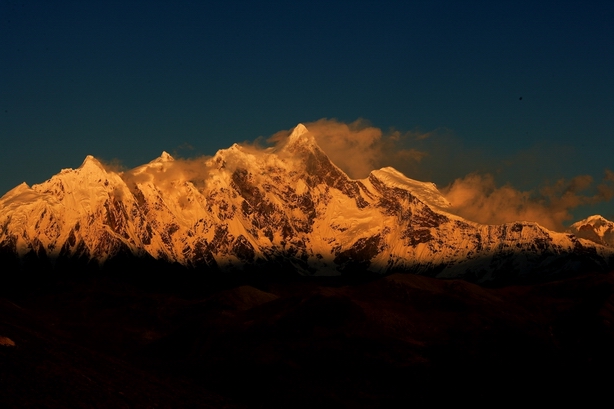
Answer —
288 206
595 228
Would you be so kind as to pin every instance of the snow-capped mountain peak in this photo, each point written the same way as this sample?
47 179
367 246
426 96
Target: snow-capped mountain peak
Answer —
595 228
300 139
91 161
298 131
164 157
596 220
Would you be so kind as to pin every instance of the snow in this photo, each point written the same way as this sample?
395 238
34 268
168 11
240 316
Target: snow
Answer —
425 191
21 193
300 137
298 130
594 221
90 162
164 157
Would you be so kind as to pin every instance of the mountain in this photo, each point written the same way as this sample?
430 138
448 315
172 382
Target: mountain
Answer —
595 228
288 206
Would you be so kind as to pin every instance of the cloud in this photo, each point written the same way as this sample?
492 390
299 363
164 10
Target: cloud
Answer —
170 174
476 197
114 165
358 148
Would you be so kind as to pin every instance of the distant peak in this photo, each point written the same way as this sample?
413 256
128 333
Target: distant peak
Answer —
596 217
592 220
232 150
165 157
299 130
301 136
595 228
20 188
91 162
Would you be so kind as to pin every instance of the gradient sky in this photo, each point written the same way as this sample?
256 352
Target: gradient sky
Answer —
522 90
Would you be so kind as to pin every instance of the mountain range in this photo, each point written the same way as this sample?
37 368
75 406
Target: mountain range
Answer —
286 206
175 284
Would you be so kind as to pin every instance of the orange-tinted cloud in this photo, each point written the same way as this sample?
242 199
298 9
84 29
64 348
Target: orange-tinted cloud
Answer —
476 197
358 148
170 174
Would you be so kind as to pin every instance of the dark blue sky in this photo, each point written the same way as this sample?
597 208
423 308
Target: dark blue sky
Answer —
126 80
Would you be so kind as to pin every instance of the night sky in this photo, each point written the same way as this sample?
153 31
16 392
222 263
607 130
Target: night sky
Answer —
523 91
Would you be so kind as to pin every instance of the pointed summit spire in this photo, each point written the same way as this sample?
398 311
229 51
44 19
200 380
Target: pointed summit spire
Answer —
299 130
91 162
165 157
301 136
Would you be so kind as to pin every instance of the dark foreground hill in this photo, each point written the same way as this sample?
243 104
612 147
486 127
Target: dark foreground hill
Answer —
300 342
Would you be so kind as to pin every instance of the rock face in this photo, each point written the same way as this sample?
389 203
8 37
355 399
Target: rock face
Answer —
288 204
